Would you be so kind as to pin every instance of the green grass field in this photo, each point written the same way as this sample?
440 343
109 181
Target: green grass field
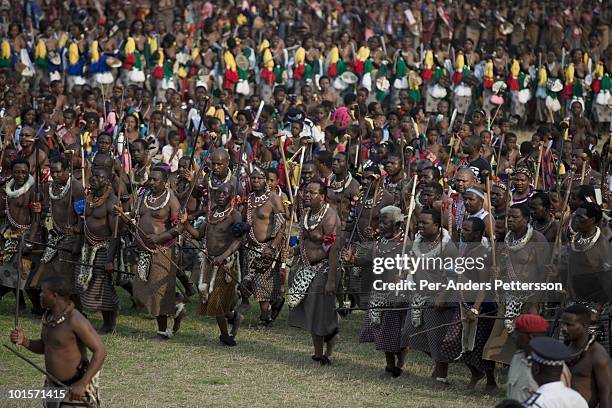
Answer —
267 368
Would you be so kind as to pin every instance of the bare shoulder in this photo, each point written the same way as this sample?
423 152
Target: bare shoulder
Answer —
331 220
599 354
78 321
277 202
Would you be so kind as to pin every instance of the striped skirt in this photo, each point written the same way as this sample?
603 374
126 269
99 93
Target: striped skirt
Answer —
100 294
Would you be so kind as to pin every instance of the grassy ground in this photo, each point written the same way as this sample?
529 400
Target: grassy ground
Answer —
269 368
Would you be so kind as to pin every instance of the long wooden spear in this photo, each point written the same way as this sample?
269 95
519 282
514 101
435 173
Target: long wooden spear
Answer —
30 362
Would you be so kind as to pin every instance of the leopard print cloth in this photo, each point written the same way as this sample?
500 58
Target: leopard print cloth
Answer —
88 257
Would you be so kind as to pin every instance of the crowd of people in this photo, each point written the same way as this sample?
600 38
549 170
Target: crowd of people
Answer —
271 152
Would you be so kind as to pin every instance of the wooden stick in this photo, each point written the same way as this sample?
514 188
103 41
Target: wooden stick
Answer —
18 289
584 158
375 194
501 144
537 172
82 161
410 211
293 210
27 360
281 149
563 208
491 223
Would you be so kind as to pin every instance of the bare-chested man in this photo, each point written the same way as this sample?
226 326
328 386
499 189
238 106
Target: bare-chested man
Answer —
187 195
28 151
181 183
141 163
65 201
220 173
157 227
18 202
309 173
65 337
343 187
218 279
591 368
359 282
542 219
315 273
393 182
266 215
95 275
104 146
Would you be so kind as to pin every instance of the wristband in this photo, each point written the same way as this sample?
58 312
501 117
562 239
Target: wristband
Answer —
474 311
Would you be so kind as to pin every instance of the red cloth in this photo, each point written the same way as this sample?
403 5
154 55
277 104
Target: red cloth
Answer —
356 66
426 74
457 77
268 76
332 71
298 72
530 323
158 72
230 79
129 61
513 83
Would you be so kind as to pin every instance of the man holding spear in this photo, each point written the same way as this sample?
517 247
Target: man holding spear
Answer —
65 337
265 213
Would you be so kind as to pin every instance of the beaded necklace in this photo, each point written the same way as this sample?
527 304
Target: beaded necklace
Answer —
318 217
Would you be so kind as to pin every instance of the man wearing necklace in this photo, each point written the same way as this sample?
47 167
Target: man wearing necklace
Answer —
65 337
314 275
590 367
343 187
522 257
590 258
94 278
28 151
157 227
265 213
469 338
429 308
384 327
220 173
64 239
104 146
219 275
19 205
359 283
499 199
309 174
455 208
541 216
474 207
141 163
119 184
181 184
394 180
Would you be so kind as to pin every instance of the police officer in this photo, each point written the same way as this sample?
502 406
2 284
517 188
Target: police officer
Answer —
547 358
